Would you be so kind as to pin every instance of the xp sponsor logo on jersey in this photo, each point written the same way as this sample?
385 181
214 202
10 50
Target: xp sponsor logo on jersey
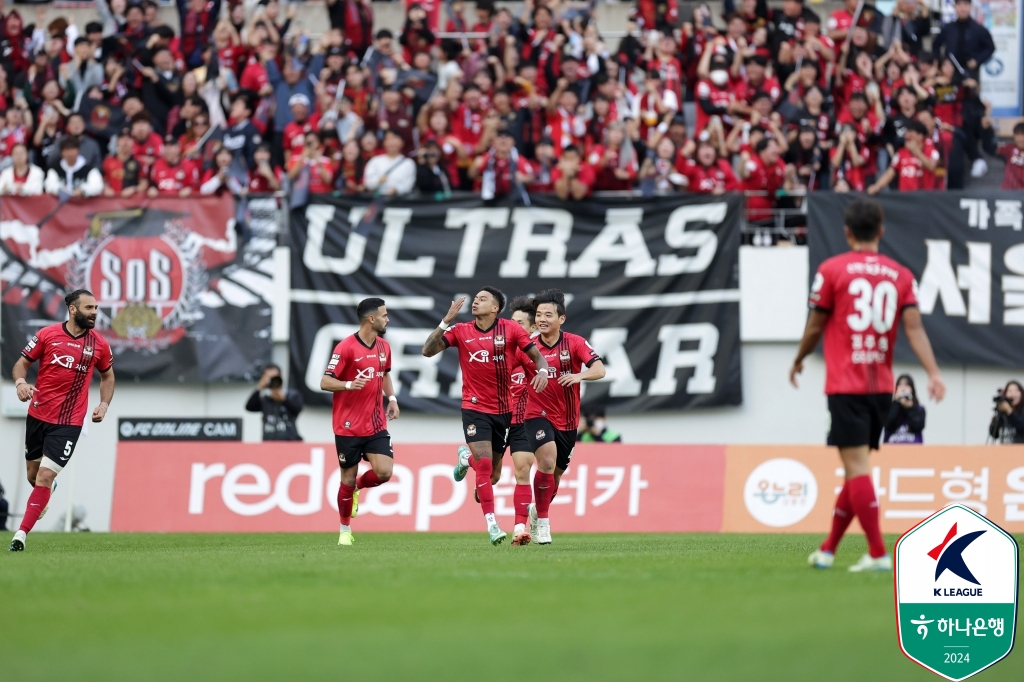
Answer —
367 373
479 356
956 592
147 287
519 378
66 361
780 492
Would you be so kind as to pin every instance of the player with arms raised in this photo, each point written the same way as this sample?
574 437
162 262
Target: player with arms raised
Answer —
486 348
553 414
359 377
67 354
856 301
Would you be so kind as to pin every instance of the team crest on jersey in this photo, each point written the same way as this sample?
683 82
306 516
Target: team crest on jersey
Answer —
348 425
87 350
382 357
499 343
471 430
564 355
541 434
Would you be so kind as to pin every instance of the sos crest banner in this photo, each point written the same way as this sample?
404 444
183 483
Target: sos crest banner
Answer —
966 249
651 284
179 298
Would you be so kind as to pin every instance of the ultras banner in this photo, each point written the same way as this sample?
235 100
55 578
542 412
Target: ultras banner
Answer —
180 299
966 249
652 284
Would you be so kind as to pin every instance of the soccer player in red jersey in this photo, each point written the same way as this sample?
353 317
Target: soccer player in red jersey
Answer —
67 354
553 414
358 375
486 348
856 301
522 454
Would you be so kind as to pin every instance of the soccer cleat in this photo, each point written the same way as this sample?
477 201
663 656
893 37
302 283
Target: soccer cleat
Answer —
53 489
543 532
821 559
533 519
520 536
496 534
18 543
355 502
867 563
346 539
463 466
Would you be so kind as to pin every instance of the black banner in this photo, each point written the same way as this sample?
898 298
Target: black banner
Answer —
652 284
966 249
144 428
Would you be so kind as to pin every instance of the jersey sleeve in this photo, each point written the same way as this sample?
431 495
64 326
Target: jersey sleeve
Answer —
584 352
522 339
33 350
450 338
104 358
387 362
337 362
821 290
908 295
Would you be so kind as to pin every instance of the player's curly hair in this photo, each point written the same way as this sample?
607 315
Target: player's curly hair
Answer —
523 304
553 296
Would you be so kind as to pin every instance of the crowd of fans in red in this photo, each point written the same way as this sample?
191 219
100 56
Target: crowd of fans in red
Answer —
240 102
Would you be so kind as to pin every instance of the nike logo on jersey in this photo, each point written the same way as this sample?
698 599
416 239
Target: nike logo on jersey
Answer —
57 343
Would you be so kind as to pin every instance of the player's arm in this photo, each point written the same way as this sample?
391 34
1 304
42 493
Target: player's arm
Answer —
435 343
922 347
540 380
389 391
812 334
335 385
592 373
20 371
106 394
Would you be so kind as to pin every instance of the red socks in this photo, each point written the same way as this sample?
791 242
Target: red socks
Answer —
368 480
36 504
543 491
841 518
345 493
865 505
484 467
521 499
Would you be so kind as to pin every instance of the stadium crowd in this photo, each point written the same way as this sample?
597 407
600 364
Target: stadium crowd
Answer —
240 101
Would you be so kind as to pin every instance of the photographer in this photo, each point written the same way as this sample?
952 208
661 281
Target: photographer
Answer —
594 428
1008 423
906 415
280 406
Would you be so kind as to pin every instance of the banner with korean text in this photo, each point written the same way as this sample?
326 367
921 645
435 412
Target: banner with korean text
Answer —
966 249
652 284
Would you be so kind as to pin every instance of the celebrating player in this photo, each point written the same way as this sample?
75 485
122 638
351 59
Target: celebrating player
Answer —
358 376
519 444
485 356
553 414
856 300
67 354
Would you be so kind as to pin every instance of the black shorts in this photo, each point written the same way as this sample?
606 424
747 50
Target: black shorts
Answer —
492 428
52 441
857 419
352 449
540 431
517 439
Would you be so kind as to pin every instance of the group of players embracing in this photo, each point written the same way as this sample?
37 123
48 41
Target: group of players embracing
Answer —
520 391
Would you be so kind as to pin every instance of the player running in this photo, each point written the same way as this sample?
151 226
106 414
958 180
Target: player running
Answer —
519 444
553 414
485 356
856 300
359 376
67 354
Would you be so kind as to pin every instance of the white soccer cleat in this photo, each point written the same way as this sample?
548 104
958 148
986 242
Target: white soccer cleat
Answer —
463 465
979 168
543 532
532 513
867 563
821 559
18 542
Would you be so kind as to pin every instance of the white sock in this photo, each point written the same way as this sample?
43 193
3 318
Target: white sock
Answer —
542 523
346 528
520 528
491 521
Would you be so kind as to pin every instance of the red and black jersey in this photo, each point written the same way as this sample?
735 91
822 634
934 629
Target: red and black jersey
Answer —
523 369
170 179
559 404
65 370
486 359
360 413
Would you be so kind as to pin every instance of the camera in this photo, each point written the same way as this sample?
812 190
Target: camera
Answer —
275 383
999 397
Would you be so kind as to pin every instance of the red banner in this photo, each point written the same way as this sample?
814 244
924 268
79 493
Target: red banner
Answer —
168 487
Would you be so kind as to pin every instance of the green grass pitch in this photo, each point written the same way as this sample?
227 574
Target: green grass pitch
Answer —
446 607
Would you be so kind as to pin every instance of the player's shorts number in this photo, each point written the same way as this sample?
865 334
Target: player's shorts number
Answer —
67 448
875 306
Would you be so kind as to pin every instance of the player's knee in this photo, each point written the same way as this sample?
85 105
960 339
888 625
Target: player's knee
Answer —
384 475
44 478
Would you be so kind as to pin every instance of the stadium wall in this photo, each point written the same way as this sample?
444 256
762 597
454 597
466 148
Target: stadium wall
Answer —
773 286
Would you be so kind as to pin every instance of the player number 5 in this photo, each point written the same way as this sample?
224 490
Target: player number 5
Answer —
875 306
67 448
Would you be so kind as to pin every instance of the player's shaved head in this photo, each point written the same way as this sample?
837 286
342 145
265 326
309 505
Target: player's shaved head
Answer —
863 217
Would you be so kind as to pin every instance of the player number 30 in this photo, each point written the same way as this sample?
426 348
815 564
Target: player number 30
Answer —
875 306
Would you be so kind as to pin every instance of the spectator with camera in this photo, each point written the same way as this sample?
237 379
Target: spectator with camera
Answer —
594 428
280 406
906 415
1007 424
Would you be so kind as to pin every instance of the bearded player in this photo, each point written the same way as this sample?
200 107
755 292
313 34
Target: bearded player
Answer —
67 354
856 301
359 377
553 414
486 348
